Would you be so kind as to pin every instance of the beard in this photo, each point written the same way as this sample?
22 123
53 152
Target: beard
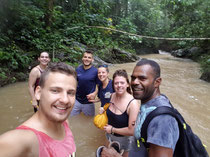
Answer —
144 94
53 116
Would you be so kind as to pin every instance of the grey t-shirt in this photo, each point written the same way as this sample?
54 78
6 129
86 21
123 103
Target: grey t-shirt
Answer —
163 130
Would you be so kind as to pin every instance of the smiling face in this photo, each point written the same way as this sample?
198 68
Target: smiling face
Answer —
87 59
57 96
120 85
102 74
44 58
143 83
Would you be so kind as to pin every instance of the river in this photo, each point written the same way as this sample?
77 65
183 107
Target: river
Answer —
181 83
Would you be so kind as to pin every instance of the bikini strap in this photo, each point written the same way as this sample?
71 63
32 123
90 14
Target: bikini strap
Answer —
129 103
39 69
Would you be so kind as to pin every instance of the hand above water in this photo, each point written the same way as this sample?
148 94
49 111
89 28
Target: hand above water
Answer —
109 152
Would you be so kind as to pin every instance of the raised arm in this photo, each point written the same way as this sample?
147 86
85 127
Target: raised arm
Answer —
18 143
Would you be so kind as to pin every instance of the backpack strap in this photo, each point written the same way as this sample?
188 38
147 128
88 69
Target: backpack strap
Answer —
158 111
188 144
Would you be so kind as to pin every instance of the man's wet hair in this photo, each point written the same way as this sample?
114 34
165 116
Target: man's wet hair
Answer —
59 67
88 51
155 66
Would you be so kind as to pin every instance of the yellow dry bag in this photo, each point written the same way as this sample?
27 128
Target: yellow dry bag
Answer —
100 120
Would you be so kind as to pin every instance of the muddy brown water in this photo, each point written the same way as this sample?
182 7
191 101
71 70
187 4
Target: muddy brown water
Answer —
181 83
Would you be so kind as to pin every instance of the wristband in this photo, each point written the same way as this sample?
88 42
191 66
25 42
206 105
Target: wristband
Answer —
111 130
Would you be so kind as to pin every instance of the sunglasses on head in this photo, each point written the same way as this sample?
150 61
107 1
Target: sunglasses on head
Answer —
104 66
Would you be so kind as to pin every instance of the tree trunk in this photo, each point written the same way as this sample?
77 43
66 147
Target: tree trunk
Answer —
49 13
126 8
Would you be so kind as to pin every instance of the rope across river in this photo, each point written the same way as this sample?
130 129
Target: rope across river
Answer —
141 36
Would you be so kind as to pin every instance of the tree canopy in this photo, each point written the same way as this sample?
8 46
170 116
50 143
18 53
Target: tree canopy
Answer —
29 27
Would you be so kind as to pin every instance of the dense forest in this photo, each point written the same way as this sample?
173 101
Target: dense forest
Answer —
61 26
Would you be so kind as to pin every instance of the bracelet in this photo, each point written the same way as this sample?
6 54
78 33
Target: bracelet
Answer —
111 130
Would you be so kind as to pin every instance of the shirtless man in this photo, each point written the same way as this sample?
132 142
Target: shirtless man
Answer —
47 132
34 77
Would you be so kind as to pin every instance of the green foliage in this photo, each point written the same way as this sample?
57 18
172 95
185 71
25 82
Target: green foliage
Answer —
29 27
13 58
20 76
3 75
190 18
205 63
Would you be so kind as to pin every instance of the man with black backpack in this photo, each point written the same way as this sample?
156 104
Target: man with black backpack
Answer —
159 127
163 131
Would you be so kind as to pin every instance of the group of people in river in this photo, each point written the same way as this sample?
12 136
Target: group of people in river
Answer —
63 92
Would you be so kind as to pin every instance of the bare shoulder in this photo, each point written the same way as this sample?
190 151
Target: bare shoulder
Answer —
34 74
21 142
134 106
135 103
35 71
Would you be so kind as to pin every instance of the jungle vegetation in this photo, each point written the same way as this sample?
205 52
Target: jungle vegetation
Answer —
28 27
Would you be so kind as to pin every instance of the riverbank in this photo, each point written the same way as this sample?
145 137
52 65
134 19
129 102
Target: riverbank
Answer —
103 56
197 54
114 56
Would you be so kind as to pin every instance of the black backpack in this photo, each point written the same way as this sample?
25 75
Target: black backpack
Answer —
188 144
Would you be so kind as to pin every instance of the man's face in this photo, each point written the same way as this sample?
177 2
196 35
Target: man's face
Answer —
44 58
142 83
57 97
87 59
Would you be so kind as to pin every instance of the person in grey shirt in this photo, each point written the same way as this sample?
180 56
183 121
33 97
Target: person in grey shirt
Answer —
163 130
